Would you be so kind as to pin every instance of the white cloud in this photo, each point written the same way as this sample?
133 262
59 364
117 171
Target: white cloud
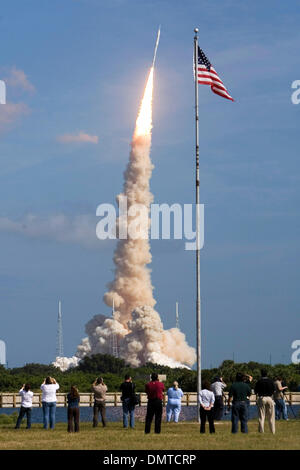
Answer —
14 78
10 113
80 229
81 137
18 79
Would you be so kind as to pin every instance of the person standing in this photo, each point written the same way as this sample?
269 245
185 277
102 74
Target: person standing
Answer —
154 390
73 399
284 399
174 402
239 393
49 388
264 390
280 405
206 400
128 391
217 387
248 379
26 406
99 388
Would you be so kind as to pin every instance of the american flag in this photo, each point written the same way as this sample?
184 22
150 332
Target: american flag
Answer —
207 75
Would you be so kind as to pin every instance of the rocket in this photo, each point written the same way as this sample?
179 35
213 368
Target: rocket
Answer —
156 46
113 310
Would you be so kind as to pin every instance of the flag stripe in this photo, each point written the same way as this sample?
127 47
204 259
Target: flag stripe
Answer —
207 75
224 96
207 81
219 91
203 69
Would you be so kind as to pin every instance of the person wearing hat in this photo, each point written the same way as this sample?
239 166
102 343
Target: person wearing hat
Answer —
155 391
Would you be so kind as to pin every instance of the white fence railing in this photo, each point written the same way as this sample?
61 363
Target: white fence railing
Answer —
13 400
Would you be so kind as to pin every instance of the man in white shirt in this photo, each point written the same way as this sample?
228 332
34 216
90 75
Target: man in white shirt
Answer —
217 388
207 400
49 388
26 405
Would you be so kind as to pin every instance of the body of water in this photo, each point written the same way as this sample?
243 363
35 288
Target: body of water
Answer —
114 414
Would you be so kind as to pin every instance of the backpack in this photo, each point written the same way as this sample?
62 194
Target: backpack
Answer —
136 399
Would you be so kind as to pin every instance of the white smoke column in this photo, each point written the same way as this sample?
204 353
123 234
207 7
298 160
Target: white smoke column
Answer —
132 284
136 324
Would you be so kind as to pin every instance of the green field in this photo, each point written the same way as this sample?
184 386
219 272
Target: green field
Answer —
181 436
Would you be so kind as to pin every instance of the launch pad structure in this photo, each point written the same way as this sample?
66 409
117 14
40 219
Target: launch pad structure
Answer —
177 317
114 346
59 334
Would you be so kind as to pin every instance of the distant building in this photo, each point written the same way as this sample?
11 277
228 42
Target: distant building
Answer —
2 353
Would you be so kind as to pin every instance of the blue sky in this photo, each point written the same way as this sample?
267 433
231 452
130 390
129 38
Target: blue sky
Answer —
81 65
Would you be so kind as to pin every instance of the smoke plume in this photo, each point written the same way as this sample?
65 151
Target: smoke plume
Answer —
136 326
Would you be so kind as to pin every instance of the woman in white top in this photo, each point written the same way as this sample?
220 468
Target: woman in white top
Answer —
49 388
207 400
26 405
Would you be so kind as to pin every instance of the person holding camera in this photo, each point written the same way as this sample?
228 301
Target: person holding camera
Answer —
175 395
26 405
280 404
99 388
217 387
73 399
128 401
49 388
264 390
239 393
155 390
248 379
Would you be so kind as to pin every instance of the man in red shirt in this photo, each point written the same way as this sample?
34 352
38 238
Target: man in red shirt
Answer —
154 390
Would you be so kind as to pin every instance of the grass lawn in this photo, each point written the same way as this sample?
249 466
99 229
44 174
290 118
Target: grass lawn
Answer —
181 436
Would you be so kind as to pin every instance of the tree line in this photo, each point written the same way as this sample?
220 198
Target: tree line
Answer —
113 370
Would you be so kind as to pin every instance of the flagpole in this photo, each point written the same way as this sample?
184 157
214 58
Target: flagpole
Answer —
198 298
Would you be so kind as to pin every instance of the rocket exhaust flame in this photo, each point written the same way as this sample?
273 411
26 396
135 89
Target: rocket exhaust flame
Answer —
144 120
135 323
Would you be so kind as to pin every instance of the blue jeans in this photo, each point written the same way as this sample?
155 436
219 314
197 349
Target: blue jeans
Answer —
173 410
49 414
281 408
239 412
24 411
128 407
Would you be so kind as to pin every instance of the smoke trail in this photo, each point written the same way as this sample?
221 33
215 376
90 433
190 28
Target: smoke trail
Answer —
135 323
132 286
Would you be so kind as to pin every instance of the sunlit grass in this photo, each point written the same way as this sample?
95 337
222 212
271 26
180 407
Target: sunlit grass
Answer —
184 435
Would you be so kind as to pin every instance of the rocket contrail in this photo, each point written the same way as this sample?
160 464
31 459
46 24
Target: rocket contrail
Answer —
156 46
